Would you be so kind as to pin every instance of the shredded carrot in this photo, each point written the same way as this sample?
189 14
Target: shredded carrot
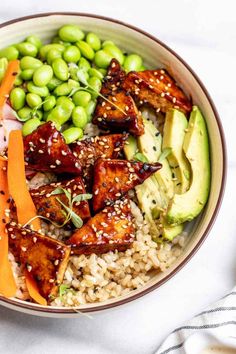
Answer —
33 289
17 181
18 190
7 281
8 82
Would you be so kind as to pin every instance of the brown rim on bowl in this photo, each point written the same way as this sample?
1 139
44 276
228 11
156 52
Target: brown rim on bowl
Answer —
37 308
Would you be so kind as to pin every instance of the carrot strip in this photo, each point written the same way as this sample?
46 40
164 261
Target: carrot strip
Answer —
17 181
7 280
8 82
33 289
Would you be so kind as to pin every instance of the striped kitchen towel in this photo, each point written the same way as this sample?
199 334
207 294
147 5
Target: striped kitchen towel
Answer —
214 327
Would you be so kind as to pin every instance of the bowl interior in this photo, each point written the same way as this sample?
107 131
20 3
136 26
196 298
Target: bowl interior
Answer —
155 55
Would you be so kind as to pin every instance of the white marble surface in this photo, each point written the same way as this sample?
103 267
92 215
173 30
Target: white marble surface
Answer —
204 34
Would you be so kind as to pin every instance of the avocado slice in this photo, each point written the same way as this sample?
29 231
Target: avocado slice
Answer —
130 147
185 207
175 127
169 232
150 144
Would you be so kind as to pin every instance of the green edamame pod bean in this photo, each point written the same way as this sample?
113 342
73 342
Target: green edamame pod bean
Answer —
3 67
96 73
45 115
115 52
84 64
72 134
94 41
103 71
60 69
17 98
18 80
27 74
96 84
11 53
49 103
70 33
71 54
26 48
30 126
53 54
35 40
45 49
24 114
41 91
73 73
107 42
30 63
63 89
42 75
37 114
65 103
102 59
90 109
33 100
81 98
132 62
57 39
79 117
142 68
59 114
53 83
85 50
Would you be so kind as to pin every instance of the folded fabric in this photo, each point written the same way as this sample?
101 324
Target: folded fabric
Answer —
215 327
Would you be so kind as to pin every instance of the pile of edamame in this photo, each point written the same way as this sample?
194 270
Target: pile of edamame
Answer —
48 87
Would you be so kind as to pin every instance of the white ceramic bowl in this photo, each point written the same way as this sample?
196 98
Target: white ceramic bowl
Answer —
155 54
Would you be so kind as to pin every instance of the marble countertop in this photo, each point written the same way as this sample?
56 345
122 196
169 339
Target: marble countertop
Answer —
203 32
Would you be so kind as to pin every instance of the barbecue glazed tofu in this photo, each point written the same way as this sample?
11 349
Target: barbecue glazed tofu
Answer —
114 178
43 257
47 204
89 150
111 229
45 150
107 115
158 89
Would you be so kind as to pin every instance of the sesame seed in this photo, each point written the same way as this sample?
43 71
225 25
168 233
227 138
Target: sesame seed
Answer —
42 140
56 262
40 151
24 249
174 99
64 153
99 119
52 166
34 239
51 280
58 162
77 165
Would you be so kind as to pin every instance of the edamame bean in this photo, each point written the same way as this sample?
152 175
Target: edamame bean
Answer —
53 54
27 74
30 126
42 75
70 33
72 134
10 53
45 115
33 100
18 80
34 40
53 83
30 63
115 52
41 91
66 103
85 50
102 59
94 41
60 69
59 114
45 49
17 98
96 73
142 68
132 62
38 114
96 84
49 103
71 54
79 117
26 48
3 67
107 42
73 72
103 71
84 64
24 114
62 90
90 109
81 98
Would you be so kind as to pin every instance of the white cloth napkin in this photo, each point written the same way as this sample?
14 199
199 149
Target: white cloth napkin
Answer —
216 326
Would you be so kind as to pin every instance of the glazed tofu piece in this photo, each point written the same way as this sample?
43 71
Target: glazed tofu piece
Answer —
114 178
43 257
45 150
121 113
111 229
158 89
89 150
47 204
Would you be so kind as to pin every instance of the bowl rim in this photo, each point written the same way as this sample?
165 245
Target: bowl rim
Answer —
37 309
